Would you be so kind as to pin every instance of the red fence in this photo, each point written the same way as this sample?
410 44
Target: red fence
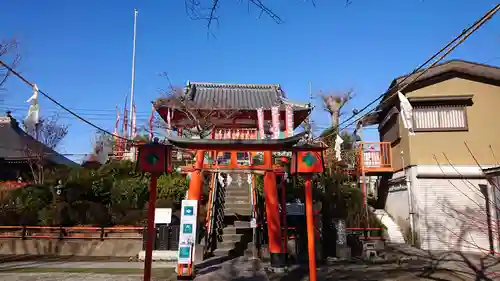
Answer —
363 233
75 232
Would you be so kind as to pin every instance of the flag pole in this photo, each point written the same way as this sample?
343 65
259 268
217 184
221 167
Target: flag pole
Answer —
132 87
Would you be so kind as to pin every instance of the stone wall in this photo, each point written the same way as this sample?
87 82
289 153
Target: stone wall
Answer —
71 247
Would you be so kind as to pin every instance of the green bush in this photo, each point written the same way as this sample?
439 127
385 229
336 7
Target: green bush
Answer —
113 194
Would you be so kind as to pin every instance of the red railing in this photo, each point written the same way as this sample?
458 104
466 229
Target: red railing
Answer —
75 232
9 185
375 156
363 233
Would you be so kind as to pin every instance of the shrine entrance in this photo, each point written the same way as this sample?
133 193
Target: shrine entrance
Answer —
307 159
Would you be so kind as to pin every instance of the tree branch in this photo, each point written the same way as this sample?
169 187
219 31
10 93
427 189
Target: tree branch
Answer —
9 54
47 135
198 10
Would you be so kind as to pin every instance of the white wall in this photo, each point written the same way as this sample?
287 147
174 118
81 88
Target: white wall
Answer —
451 210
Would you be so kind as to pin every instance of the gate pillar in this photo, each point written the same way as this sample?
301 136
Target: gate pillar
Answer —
272 212
196 181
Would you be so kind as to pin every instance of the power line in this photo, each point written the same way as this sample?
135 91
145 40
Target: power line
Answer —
459 40
62 106
89 111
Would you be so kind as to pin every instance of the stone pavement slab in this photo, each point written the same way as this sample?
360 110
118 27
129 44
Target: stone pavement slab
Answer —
67 277
239 269
66 264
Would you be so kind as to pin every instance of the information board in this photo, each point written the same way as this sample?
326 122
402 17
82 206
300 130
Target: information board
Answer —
187 235
163 215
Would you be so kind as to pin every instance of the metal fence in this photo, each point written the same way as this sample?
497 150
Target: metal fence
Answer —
166 238
75 232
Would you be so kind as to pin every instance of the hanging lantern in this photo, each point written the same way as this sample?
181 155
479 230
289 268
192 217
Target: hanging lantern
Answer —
307 161
155 158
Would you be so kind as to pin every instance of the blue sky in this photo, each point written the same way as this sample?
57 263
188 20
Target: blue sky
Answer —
79 52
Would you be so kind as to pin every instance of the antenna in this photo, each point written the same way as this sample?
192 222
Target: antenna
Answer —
132 87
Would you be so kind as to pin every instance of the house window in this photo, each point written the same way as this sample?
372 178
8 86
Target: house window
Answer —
440 118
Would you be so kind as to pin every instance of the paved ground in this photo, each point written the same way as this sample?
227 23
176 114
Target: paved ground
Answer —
64 264
240 269
421 266
66 277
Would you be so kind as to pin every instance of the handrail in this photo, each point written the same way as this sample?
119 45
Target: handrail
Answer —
253 197
64 232
209 220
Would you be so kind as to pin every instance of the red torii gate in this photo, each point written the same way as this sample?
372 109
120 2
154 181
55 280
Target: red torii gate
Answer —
155 158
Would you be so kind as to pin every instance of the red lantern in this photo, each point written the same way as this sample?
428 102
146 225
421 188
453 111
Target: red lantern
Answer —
155 158
307 162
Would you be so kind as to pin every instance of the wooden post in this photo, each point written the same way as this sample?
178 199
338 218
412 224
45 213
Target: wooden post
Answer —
151 228
196 181
311 247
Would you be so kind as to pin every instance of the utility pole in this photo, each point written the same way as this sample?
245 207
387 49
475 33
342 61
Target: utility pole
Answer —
132 87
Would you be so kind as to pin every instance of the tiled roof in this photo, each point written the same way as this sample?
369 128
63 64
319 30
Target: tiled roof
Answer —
13 142
238 96
461 66
455 66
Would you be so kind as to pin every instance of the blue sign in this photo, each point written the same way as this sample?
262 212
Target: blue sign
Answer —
187 228
188 210
185 252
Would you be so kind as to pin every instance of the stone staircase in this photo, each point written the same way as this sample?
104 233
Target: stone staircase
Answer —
237 232
394 233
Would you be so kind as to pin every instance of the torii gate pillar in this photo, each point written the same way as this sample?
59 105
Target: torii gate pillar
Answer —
276 252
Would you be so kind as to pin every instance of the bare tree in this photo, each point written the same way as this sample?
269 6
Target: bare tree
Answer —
207 9
10 56
334 103
45 139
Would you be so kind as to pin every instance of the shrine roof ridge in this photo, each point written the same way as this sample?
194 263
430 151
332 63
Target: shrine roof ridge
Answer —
234 86
295 142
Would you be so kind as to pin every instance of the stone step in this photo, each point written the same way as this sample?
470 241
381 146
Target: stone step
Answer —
241 224
237 192
237 211
232 198
237 205
245 185
234 230
231 237
227 244
219 252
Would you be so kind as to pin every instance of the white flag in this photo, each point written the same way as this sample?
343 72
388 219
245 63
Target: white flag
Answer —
338 143
33 117
406 113
34 97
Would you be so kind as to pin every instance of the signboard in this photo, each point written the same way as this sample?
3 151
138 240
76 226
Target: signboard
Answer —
185 254
187 235
282 153
398 187
295 209
163 215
